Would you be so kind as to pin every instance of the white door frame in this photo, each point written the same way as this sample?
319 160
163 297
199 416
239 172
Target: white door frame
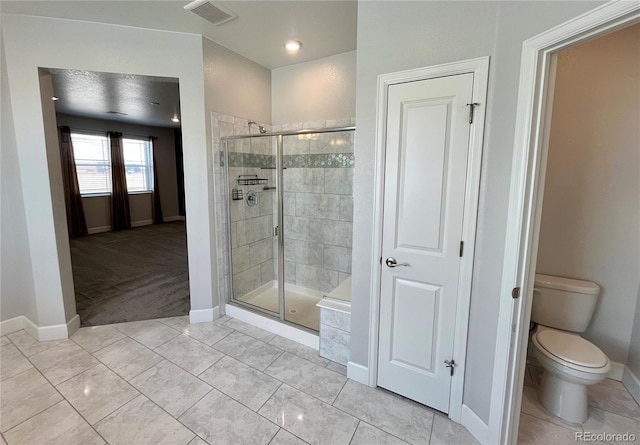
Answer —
525 203
480 69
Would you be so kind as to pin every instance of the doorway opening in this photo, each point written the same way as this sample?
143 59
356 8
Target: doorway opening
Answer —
120 147
533 136
588 233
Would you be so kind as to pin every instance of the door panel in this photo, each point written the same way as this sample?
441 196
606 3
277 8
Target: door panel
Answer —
415 308
422 122
425 174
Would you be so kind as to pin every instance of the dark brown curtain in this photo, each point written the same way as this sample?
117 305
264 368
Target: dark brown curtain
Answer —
157 207
76 222
120 216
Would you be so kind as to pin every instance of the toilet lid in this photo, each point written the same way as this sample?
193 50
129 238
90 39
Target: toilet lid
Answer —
572 348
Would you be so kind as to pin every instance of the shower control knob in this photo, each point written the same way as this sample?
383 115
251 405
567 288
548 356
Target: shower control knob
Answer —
391 262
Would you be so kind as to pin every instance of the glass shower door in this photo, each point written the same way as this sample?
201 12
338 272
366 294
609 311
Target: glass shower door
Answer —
317 185
251 176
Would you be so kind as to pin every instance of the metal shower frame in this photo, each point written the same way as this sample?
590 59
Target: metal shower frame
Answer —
279 136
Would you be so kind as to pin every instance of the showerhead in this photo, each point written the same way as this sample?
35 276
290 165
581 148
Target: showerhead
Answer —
260 127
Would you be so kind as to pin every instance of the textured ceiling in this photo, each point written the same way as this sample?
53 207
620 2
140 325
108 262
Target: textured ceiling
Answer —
93 94
324 27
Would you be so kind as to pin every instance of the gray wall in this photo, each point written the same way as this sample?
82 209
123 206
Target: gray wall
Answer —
318 90
98 209
33 42
395 36
17 294
591 211
234 85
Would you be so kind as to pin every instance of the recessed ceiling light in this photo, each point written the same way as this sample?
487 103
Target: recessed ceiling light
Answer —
54 98
175 119
292 46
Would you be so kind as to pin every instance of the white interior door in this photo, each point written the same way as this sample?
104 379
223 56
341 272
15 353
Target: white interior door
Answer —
425 174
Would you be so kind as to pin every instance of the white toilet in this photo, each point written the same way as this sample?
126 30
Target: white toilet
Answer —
562 307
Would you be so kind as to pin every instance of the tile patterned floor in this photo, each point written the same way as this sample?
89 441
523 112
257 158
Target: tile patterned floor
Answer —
611 410
169 382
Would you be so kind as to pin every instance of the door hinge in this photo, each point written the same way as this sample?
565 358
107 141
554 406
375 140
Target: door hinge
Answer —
276 230
451 364
515 293
472 106
461 248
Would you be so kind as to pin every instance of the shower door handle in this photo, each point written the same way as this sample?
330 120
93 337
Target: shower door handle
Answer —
391 262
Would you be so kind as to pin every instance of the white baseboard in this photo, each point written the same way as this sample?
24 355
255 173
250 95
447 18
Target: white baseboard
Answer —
204 315
274 326
12 325
358 373
144 222
617 371
632 383
476 426
41 333
73 325
100 229
173 218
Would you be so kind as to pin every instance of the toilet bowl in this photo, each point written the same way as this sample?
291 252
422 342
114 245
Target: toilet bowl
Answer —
571 364
562 308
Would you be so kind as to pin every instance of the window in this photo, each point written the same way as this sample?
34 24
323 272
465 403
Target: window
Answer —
138 165
93 163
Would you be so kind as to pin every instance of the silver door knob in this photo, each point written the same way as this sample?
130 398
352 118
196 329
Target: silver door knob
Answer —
391 262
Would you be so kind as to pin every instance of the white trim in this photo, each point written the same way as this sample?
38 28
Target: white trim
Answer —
173 218
358 373
73 325
274 326
480 69
11 325
58 331
617 371
31 328
632 383
204 315
475 425
525 203
144 222
41 333
99 229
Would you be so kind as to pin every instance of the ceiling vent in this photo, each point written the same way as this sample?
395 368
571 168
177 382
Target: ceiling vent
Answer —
211 11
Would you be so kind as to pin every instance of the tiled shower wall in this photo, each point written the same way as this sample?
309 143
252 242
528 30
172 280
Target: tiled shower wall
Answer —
224 125
252 227
318 207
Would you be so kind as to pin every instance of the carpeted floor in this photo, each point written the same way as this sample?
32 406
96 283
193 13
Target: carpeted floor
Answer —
131 275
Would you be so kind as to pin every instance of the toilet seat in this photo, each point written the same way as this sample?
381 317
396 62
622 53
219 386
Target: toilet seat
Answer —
572 351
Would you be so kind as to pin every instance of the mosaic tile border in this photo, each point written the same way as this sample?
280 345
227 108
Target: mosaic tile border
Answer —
330 160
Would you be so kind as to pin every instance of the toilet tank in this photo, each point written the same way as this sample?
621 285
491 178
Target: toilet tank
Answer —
563 303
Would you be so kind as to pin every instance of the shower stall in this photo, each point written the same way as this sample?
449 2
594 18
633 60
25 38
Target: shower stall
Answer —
289 212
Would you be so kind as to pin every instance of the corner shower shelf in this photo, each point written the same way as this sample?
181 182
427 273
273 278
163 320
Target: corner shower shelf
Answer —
251 180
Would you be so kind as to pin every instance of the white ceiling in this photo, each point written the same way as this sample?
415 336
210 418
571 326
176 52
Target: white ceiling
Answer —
92 94
324 27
